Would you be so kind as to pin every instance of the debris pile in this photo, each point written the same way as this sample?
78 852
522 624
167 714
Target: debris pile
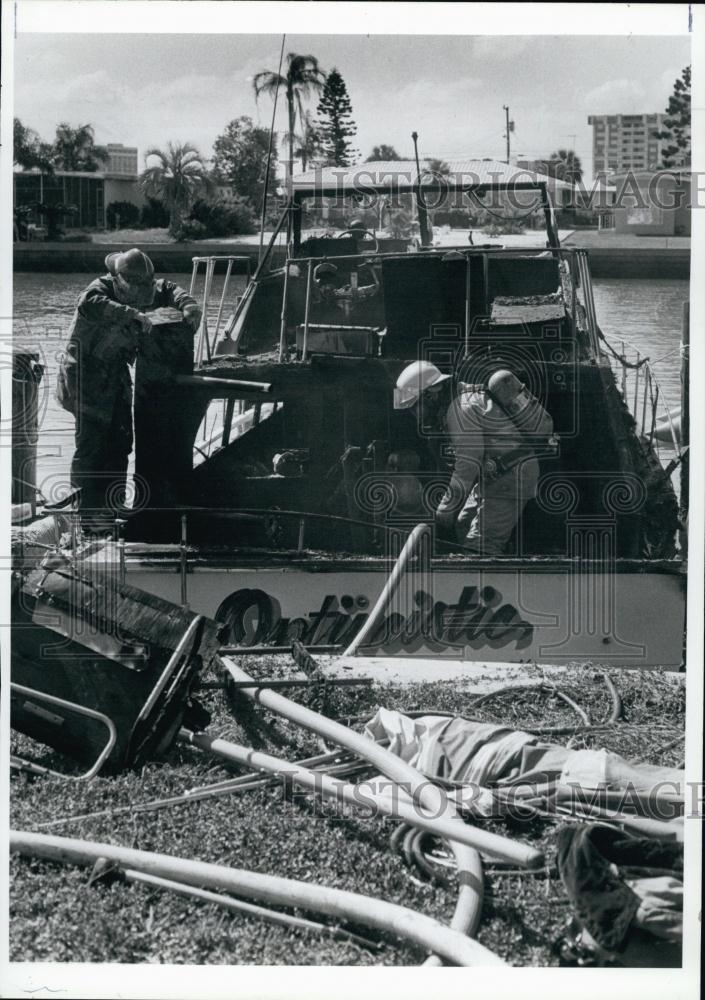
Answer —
450 780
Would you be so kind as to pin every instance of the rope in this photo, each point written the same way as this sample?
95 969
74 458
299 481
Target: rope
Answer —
620 357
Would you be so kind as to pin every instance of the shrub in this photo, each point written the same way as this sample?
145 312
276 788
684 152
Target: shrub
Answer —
190 229
122 214
154 214
223 218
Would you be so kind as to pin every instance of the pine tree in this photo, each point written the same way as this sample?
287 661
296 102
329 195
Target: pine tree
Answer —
335 124
677 130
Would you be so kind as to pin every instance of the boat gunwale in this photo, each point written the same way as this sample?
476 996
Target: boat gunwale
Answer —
151 555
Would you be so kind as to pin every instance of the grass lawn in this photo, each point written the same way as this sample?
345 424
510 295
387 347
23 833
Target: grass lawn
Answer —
56 916
132 236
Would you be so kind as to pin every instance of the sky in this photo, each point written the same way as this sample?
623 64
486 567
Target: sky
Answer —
146 90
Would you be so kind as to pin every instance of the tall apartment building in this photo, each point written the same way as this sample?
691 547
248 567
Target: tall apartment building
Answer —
625 142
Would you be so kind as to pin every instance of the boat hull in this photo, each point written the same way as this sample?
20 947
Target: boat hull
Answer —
630 613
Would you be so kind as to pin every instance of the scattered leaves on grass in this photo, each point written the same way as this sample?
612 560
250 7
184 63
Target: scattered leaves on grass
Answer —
55 916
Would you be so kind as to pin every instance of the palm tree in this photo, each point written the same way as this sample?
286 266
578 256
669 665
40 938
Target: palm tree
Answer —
75 148
565 165
303 77
178 177
307 141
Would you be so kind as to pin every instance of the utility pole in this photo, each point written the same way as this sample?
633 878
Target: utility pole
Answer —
509 128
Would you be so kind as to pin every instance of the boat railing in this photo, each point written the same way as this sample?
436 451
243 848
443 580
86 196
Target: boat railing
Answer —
581 304
225 420
213 309
644 398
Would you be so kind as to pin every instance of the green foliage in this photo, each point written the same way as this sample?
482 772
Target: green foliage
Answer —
564 165
28 149
335 123
221 218
307 142
154 214
72 149
382 153
178 177
240 159
53 214
122 214
436 168
677 131
400 223
75 149
188 230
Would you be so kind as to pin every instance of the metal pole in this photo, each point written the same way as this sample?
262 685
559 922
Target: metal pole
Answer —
222 298
194 271
420 206
685 411
228 420
120 541
467 303
647 381
206 297
309 281
322 784
506 117
654 408
204 318
183 564
636 384
574 296
282 328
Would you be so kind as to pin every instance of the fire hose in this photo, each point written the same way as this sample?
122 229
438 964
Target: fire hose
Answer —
367 797
431 798
451 945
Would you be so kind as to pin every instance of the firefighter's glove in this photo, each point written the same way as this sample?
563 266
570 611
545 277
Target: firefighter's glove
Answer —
192 315
144 322
445 519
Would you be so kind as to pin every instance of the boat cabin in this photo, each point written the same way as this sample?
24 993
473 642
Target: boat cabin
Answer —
290 406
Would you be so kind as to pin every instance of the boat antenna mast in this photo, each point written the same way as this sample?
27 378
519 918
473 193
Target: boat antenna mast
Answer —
420 204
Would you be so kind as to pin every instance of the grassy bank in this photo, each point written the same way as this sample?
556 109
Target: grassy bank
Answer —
56 916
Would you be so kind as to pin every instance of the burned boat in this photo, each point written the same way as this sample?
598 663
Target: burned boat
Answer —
267 491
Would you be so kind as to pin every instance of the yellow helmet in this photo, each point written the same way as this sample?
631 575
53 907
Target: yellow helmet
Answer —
414 381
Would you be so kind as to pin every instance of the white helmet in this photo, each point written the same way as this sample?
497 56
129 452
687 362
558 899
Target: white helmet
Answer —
414 381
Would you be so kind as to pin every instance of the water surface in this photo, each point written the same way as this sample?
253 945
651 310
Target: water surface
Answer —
644 313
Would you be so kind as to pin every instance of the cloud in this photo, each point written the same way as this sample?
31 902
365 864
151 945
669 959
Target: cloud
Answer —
617 97
500 46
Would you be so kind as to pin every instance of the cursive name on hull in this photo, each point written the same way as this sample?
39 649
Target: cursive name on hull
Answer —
479 618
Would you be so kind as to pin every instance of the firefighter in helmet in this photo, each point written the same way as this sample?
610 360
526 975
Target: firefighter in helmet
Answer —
492 432
94 383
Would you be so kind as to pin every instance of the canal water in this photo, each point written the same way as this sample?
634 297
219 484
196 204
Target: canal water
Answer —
645 314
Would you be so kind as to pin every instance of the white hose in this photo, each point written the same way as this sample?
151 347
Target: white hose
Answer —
424 931
396 805
433 799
